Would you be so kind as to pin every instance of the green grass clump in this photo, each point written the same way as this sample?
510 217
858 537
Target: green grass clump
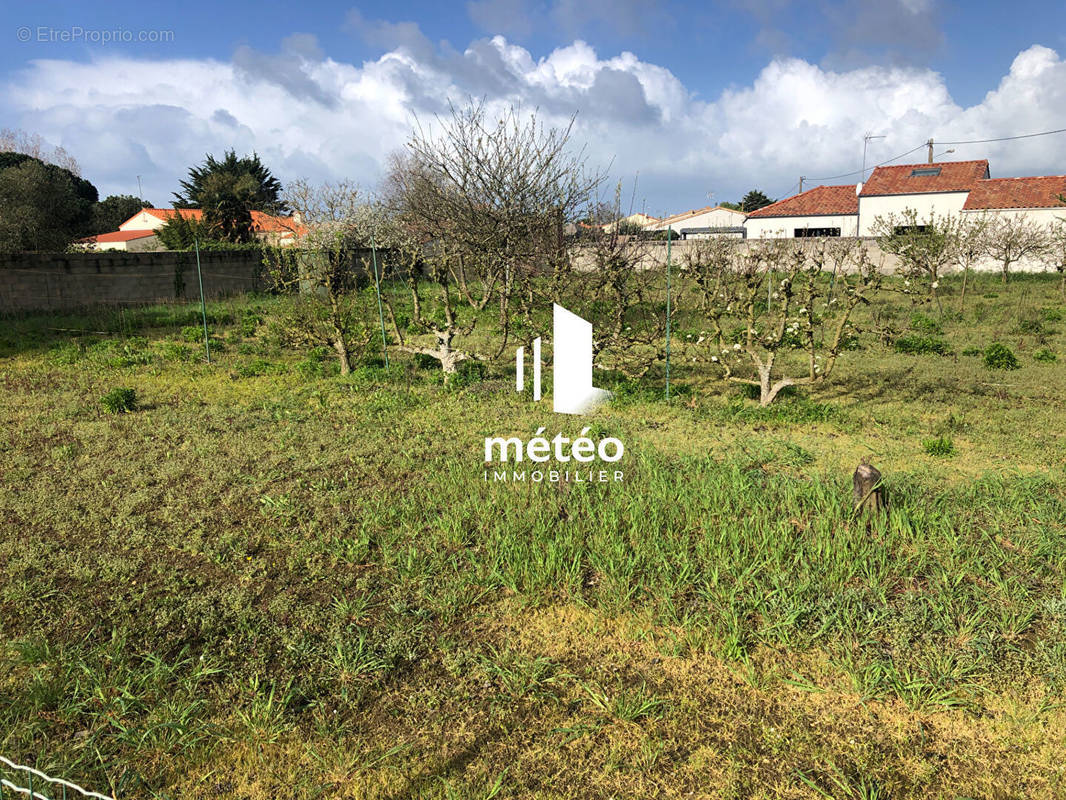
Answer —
1045 356
941 446
999 356
922 344
192 333
120 400
926 325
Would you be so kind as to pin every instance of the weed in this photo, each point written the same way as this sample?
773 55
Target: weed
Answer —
1045 356
192 333
119 400
921 344
926 325
941 447
999 356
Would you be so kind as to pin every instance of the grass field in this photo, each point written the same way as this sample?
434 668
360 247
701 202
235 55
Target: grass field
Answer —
271 582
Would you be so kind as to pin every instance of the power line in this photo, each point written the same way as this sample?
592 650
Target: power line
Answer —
1006 138
875 166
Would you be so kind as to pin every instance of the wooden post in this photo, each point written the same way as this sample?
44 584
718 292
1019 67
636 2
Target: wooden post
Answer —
870 496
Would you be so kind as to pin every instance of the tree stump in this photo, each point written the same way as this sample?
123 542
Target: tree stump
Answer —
870 496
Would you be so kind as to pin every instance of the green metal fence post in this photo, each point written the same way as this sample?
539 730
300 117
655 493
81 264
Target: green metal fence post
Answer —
377 286
669 240
203 304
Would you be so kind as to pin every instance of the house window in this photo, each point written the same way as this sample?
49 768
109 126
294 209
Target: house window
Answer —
909 230
925 172
807 233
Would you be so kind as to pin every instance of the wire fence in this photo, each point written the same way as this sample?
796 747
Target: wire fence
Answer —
18 780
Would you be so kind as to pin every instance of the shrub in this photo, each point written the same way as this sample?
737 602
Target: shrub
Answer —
192 333
923 324
918 344
999 356
973 351
120 400
941 447
1045 356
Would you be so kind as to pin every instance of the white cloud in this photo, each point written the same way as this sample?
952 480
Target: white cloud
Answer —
312 116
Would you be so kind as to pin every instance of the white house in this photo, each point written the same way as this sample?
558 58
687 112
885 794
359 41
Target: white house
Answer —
928 189
945 188
821 211
702 222
639 220
132 241
138 232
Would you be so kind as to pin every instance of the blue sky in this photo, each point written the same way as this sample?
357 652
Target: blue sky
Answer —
696 102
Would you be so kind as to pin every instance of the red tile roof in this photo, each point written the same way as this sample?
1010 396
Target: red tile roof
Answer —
816 202
955 176
1034 192
118 236
265 223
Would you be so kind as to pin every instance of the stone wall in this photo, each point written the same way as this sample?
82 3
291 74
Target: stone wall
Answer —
58 281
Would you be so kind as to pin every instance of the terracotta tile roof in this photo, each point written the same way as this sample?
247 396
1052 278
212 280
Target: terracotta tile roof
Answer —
1034 192
118 236
816 202
953 176
166 213
261 222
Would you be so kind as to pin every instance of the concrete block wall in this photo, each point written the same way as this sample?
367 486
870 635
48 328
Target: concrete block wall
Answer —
59 281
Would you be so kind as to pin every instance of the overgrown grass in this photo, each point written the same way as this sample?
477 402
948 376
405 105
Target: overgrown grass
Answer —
270 581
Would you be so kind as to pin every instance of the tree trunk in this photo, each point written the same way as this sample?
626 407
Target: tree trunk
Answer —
962 296
449 358
868 493
341 347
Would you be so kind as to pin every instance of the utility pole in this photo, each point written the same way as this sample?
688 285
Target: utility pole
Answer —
929 144
865 142
140 192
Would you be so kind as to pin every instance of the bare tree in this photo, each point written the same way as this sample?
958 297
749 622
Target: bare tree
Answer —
1011 237
487 196
1057 251
772 313
924 246
32 144
970 247
617 282
324 269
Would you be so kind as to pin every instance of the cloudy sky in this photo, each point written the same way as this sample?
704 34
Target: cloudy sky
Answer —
695 102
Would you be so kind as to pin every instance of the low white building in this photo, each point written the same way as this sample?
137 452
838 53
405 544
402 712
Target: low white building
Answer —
928 189
946 188
821 211
702 222
132 241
